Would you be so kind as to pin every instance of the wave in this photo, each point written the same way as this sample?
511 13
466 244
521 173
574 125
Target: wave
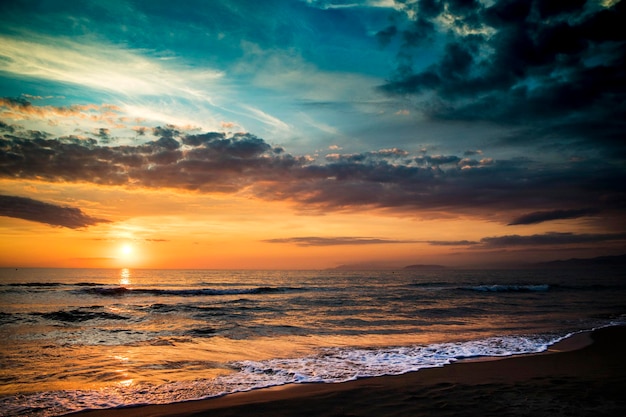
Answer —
119 291
508 288
329 366
6 318
341 364
51 284
79 315
35 284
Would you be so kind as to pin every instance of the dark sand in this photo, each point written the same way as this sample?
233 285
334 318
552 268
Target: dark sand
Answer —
575 378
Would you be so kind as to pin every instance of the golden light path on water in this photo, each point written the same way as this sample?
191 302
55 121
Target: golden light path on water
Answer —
125 276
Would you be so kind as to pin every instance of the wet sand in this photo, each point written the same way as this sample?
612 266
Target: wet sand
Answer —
584 375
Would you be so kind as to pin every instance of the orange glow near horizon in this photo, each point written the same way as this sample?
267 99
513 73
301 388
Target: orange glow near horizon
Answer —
192 231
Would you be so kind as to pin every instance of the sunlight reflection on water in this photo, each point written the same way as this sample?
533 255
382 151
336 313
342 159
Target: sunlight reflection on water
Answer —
125 276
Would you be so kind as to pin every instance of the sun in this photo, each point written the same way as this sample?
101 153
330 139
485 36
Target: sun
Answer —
128 255
126 250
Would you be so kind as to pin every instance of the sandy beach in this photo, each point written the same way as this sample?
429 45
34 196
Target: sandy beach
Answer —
580 376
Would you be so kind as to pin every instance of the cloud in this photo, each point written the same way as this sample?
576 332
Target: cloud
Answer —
389 178
265 118
105 67
287 71
544 216
142 82
38 211
545 239
557 65
452 242
6 127
335 241
20 109
207 162
551 238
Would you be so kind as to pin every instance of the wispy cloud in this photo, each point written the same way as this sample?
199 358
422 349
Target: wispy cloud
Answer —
20 109
335 241
544 239
327 4
285 71
552 238
452 242
39 211
265 118
544 216
104 67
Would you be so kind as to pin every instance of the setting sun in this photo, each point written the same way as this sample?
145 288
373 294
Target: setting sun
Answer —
126 249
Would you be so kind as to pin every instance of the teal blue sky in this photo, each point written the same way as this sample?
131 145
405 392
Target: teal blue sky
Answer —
508 111
304 75
298 74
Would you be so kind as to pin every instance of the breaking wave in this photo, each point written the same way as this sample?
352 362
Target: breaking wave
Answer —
118 291
509 288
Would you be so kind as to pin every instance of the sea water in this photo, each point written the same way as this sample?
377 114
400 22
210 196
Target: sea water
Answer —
75 339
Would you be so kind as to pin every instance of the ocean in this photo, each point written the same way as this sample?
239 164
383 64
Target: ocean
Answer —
75 339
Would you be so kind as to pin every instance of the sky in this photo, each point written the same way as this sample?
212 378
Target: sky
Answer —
310 134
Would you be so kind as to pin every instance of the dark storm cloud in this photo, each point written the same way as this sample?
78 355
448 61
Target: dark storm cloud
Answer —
389 178
38 211
558 64
544 216
334 241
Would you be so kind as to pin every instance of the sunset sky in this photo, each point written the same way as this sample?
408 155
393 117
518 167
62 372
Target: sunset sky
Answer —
311 133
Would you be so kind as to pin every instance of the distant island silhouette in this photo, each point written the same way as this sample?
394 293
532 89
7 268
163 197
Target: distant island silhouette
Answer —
600 261
423 267
616 261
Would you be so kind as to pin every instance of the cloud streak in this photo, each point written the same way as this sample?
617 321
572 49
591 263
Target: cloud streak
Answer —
551 238
335 241
100 66
545 216
39 211
545 239
492 242
21 109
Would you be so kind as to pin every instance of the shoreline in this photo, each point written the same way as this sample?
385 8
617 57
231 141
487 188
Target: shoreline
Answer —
584 374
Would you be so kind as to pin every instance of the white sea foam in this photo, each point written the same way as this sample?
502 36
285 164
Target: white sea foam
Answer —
329 366
340 364
509 288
